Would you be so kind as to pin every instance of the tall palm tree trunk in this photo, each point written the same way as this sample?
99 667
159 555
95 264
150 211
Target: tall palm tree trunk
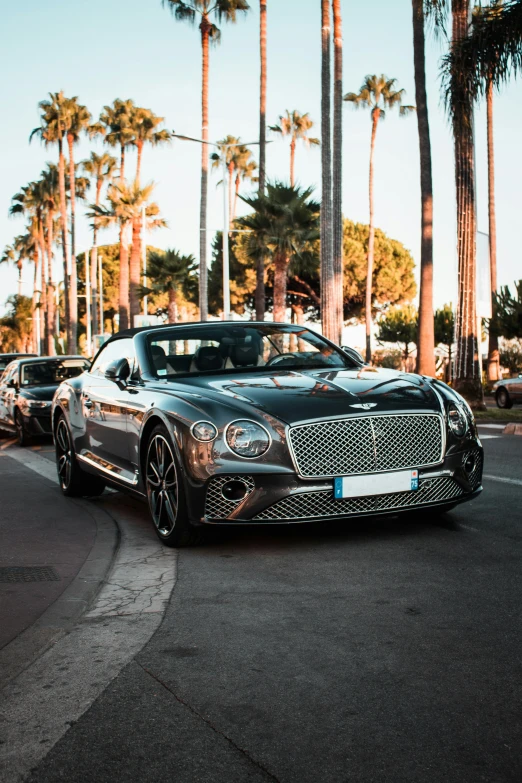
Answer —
123 307
50 316
467 377
236 195
337 171
63 222
138 163
123 294
35 348
260 263
205 28
94 263
493 354
73 347
134 270
280 285
44 303
20 281
426 332
371 243
327 279
292 162
172 309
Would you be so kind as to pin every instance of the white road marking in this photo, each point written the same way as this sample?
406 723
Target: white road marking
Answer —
492 426
502 479
39 706
488 437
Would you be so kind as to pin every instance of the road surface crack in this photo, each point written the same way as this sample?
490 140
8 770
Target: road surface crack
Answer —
209 723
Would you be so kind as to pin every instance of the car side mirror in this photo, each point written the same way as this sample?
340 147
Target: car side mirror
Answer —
118 371
353 354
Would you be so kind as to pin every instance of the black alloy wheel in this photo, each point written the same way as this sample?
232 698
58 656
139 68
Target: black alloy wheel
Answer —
503 399
165 492
74 482
21 433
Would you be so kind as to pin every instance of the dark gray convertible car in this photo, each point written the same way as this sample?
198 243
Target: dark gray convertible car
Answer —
258 423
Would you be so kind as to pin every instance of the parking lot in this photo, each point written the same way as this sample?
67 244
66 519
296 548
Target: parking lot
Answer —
369 650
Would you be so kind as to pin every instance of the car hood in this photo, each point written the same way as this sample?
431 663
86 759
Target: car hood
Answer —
39 392
297 396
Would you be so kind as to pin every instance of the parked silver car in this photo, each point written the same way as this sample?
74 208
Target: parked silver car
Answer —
508 391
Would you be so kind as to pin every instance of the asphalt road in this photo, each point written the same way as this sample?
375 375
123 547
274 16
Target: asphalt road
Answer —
363 651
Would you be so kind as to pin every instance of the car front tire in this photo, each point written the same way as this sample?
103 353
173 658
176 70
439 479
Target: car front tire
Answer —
503 399
166 492
74 482
21 433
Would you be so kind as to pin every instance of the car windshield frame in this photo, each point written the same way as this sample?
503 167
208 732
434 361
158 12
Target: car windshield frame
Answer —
210 331
53 363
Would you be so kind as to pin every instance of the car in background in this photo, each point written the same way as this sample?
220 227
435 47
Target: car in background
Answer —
7 358
245 423
27 387
508 391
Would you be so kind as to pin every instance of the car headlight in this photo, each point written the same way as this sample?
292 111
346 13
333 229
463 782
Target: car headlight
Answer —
457 420
204 431
36 405
247 439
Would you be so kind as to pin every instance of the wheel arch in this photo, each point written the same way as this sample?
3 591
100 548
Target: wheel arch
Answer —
152 421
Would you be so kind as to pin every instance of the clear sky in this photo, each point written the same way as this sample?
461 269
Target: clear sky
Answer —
105 49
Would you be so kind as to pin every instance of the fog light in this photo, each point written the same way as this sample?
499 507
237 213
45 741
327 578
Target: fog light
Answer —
469 464
234 490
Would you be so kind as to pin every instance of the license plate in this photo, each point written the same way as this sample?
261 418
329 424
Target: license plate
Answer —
376 484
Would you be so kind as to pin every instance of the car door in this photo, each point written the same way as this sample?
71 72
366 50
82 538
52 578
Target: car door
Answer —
104 409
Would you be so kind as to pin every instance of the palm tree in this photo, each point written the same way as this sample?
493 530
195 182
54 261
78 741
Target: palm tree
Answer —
245 172
284 223
78 120
377 93
260 264
126 208
52 130
295 125
459 102
239 165
167 271
327 264
100 168
143 123
11 256
337 172
425 338
205 10
116 127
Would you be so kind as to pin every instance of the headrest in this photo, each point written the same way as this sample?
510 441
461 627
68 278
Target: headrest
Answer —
207 357
244 355
159 357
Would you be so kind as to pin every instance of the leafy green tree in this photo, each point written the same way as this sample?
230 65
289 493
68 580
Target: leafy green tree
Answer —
378 94
399 325
205 11
10 256
283 225
444 331
296 126
242 276
507 313
16 325
168 272
511 358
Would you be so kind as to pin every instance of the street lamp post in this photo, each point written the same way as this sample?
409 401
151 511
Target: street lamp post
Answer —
226 217
88 302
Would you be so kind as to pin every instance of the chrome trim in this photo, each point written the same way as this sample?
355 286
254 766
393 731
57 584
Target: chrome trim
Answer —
251 421
436 474
109 472
203 421
358 416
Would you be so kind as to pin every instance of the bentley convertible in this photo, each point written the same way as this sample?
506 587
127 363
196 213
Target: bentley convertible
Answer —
257 423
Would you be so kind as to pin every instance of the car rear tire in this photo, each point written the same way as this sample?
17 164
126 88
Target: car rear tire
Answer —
166 493
503 399
74 482
21 433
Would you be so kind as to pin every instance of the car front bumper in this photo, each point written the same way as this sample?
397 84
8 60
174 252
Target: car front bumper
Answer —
271 498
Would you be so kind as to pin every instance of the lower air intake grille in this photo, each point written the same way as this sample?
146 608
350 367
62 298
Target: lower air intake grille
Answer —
219 507
312 505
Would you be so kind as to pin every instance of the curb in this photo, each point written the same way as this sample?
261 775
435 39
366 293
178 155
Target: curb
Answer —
76 599
512 429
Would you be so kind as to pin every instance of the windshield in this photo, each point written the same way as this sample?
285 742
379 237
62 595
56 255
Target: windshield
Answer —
47 373
218 348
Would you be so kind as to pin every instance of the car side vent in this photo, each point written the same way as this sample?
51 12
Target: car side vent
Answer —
225 493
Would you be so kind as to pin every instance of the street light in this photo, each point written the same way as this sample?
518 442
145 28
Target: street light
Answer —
226 218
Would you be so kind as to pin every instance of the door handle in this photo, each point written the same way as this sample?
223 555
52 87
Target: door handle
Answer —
87 402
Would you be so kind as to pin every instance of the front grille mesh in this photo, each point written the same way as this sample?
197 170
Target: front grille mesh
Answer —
369 444
218 507
475 477
311 505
